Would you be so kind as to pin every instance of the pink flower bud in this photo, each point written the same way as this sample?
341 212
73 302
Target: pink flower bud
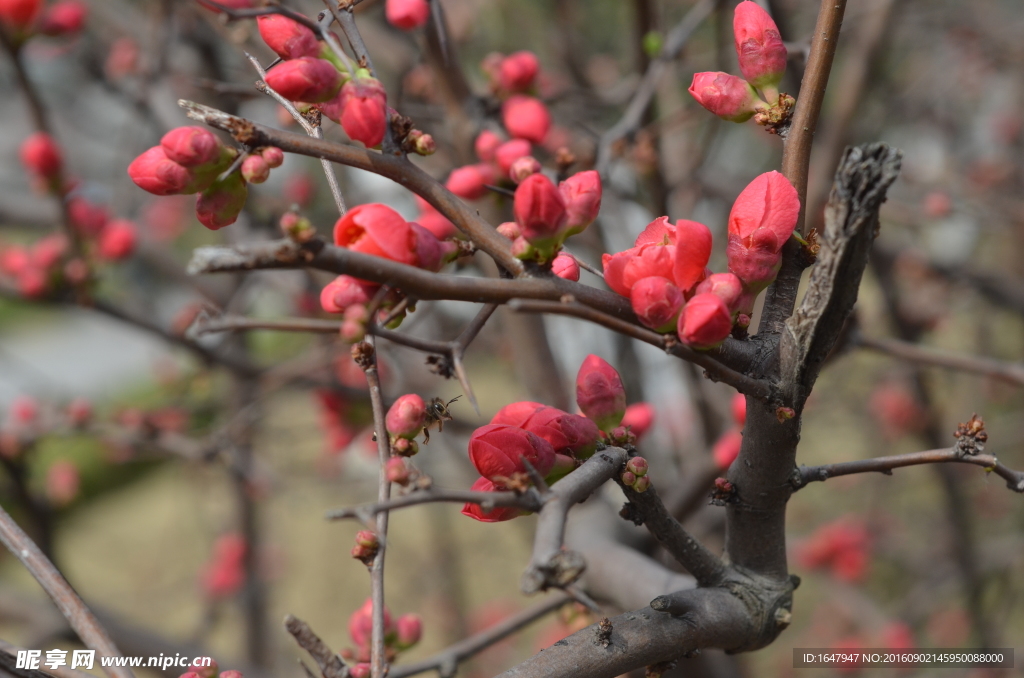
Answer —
518 71
344 291
24 410
14 260
397 471
509 229
117 240
220 205
422 144
287 37
305 79
48 251
565 266
495 515
600 394
378 230
739 409
62 482
526 118
86 218
539 211
497 451
641 485
360 624
405 447
255 169
153 171
363 116
407 14
367 538
191 146
657 303
693 249
637 466
409 629
510 151
470 182
41 155
523 167
727 96
762 55
726 285
705 321
582 195
353 324
487 142
273 155
639 418
79 412
628 478
19 15
406 417
761 221
727 448
63 18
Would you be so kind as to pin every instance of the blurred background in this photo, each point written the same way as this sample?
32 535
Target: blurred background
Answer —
140 454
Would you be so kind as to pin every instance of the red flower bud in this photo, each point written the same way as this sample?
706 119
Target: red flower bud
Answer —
63 18
727 96
345 291
582 195
363 110
79 412
432 254
641 484
19 15
191 146
287 37
705 321
539 211
153 171
305 79
378 230
495 515
526 118
87 218
739 409
360 624
117 240
62 482
510 151
727 448
397 471
486 144
761 221
509 229
639 417
657 303
693 249
14 260
569 434
624 269
273 155
407 14
762 55
220 205
523 167
518 71
353 324
726 285
41 155
498 451
408 629
600 394
565 266
122 59
24 410
470 182
255 169
406 417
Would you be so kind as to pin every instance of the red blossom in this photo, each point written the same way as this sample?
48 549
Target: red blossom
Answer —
498 514
287 37
407 14
378 230
305 79
705 321
600 393
727 96
497 451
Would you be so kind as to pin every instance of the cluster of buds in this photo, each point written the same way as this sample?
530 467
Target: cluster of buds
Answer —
635 476
665 273
842 546
224 575
727 447
762 58
399 635
380 231
366 547
22 19
546 214
297 228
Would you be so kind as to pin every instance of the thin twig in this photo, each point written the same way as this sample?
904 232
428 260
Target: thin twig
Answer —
1012 373
331 665
230 323
528 501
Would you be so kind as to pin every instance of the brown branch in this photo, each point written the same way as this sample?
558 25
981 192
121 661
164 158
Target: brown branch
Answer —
1012 373
809 474
331 665
551 565
446 661
396 168
230 323
530 501
64 597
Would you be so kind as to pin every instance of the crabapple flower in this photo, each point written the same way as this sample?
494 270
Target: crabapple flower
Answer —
600 394
497 451
582 195
540 212
517 71
406 417
378 230
507 153
705 321
361 109
41 155
727 96
117 240
220 205
624 269
407 14
565 266
154 172
497 514
526 118
759 47
431 254
191 146
305 79
725 285
656 302
287 37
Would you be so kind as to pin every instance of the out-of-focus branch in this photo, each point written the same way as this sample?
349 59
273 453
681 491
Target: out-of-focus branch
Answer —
809 474
331 665
64 597
1012 373
528 501
446 661
230 323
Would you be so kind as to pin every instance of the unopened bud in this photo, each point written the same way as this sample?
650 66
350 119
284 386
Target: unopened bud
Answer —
404 447
628 478
273 155
396 470
637 466
509 229
297 228
784 413
255 169
523 167
409 628
641 484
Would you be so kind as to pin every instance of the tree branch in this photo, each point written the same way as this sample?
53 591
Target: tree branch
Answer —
331 665
529 501
1012 373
